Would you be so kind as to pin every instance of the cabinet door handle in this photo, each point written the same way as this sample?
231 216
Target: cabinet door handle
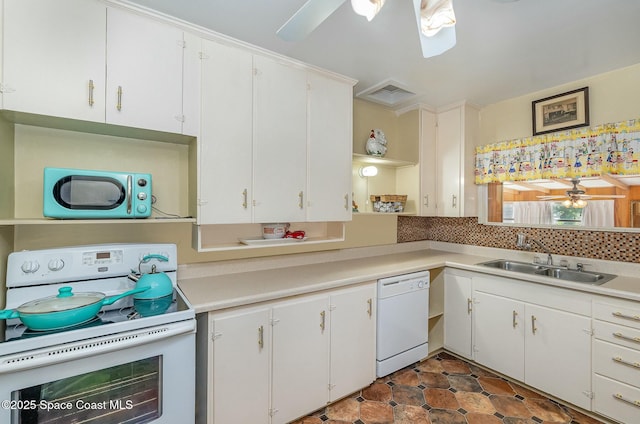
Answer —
244 198
322 320
621 315
629 338
533 324
515 319
346 202
261 336
91 87
426 200
623 362
469 305
629 401
119 103
301 200
454 201
370 307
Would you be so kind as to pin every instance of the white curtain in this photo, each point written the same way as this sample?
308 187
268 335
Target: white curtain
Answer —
533 212
598 213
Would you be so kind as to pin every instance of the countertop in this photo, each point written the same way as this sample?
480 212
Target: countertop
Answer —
216 292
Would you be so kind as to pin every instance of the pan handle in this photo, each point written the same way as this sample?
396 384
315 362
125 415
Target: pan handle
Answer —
113 299
9 314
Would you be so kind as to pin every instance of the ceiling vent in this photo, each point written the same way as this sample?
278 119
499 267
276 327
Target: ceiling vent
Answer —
389 93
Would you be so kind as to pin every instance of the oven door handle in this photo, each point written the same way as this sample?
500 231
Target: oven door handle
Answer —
91 347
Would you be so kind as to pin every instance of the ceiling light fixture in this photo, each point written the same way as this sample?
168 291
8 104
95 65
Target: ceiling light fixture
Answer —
368 171
574 203
435 15
367 8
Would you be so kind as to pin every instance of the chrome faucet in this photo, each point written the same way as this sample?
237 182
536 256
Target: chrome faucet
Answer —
524 242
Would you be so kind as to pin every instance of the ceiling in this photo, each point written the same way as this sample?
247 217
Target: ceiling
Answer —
504 48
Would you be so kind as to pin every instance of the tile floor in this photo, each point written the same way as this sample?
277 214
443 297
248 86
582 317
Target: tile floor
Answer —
445 390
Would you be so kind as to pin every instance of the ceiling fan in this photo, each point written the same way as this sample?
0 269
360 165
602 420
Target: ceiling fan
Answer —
576 197
435 20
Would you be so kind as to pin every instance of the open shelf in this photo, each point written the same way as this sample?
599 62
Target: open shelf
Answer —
224 237
47 221
374 160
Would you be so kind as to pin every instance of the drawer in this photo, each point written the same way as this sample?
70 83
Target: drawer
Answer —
617 362
625 336
616 400
620 312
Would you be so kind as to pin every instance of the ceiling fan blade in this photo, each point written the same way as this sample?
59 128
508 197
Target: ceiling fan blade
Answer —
551 197
437 44
307 19
604 196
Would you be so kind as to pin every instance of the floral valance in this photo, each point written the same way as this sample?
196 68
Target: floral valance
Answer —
584 152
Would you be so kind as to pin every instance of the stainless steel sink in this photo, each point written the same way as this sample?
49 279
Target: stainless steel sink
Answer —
587 277
524 267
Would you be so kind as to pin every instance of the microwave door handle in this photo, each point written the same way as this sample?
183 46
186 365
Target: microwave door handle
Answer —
129 193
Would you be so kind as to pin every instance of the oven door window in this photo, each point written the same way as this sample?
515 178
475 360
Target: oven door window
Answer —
85 192
129 393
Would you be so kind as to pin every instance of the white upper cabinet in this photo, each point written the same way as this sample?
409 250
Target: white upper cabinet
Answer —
456 128
226 163
279 141
82 60
446 161
54 58
144 72
428 161
330 134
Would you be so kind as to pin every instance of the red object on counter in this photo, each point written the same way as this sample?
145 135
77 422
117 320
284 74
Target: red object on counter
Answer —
294 234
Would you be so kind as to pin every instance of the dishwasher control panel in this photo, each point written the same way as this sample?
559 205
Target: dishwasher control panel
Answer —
405 283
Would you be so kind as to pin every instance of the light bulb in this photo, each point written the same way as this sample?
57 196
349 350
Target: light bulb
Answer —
367 8
368 171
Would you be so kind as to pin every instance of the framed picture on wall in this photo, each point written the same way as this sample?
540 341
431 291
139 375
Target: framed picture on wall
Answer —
561 112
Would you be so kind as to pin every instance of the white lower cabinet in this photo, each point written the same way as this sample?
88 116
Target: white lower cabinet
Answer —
547 347
458 306
499 334
240 363
616 359
300 372
289 357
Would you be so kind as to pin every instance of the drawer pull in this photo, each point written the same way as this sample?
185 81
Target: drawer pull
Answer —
629 401
621 315
622 361
623 337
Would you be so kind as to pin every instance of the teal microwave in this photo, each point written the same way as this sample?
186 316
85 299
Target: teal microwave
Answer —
87 194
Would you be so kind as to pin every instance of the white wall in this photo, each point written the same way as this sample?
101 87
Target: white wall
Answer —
613 96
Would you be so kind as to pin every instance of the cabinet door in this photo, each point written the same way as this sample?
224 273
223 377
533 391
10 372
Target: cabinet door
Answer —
353 323
457 314
240 366
54 58
144 72
225 164
300 371
329 155
449 162
280 140
499 334
558 353
428 164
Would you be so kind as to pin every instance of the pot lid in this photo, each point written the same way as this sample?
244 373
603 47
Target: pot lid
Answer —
65 300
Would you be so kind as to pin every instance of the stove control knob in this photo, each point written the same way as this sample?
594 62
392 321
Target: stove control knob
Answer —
56 264
29 267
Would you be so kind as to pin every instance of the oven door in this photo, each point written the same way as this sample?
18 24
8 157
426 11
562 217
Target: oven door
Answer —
137 377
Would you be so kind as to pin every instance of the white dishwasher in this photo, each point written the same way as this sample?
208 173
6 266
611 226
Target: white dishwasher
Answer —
403 321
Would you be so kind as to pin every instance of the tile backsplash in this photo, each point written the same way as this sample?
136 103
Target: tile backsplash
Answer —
606 245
